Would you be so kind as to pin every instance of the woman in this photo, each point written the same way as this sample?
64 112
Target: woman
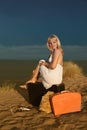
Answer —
51 72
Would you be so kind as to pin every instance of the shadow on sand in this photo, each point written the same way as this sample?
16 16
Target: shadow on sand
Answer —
22 92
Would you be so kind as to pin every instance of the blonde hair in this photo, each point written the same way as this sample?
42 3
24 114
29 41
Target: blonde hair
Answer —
51 37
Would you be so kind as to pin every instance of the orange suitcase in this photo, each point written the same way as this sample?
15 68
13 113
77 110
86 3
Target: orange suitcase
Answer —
66 102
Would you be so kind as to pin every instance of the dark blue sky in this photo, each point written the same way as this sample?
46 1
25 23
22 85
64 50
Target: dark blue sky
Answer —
30 22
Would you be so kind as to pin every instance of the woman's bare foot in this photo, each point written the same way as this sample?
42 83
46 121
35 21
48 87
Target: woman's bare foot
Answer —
33 80
23 86
30 81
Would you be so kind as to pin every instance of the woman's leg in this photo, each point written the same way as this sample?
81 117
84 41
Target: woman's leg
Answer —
34 76
33 79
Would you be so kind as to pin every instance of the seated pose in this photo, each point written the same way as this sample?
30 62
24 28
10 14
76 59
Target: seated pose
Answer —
51 72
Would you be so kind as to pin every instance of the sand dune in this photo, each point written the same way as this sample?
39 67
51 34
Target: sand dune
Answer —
13 119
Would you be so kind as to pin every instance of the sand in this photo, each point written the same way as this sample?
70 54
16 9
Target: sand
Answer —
11 118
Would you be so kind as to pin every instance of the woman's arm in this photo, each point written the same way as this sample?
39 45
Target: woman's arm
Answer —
55 56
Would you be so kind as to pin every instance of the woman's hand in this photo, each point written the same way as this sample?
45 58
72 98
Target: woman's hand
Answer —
43 62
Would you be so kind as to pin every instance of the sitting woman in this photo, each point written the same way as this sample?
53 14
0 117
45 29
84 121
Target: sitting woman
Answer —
51 73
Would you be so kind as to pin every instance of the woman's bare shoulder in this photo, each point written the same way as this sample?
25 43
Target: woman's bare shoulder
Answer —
57 51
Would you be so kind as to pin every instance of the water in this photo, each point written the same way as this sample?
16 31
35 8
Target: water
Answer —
21 70
16 70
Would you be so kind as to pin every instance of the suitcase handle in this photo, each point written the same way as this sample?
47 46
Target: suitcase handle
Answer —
65 91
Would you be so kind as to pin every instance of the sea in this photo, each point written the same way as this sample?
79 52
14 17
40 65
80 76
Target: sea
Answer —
19 71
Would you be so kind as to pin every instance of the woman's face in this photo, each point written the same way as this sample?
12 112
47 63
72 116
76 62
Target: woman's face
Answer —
53 44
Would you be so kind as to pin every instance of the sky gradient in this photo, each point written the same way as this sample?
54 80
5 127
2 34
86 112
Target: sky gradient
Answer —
26 24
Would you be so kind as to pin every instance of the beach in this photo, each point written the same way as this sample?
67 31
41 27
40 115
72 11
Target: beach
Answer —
12 118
